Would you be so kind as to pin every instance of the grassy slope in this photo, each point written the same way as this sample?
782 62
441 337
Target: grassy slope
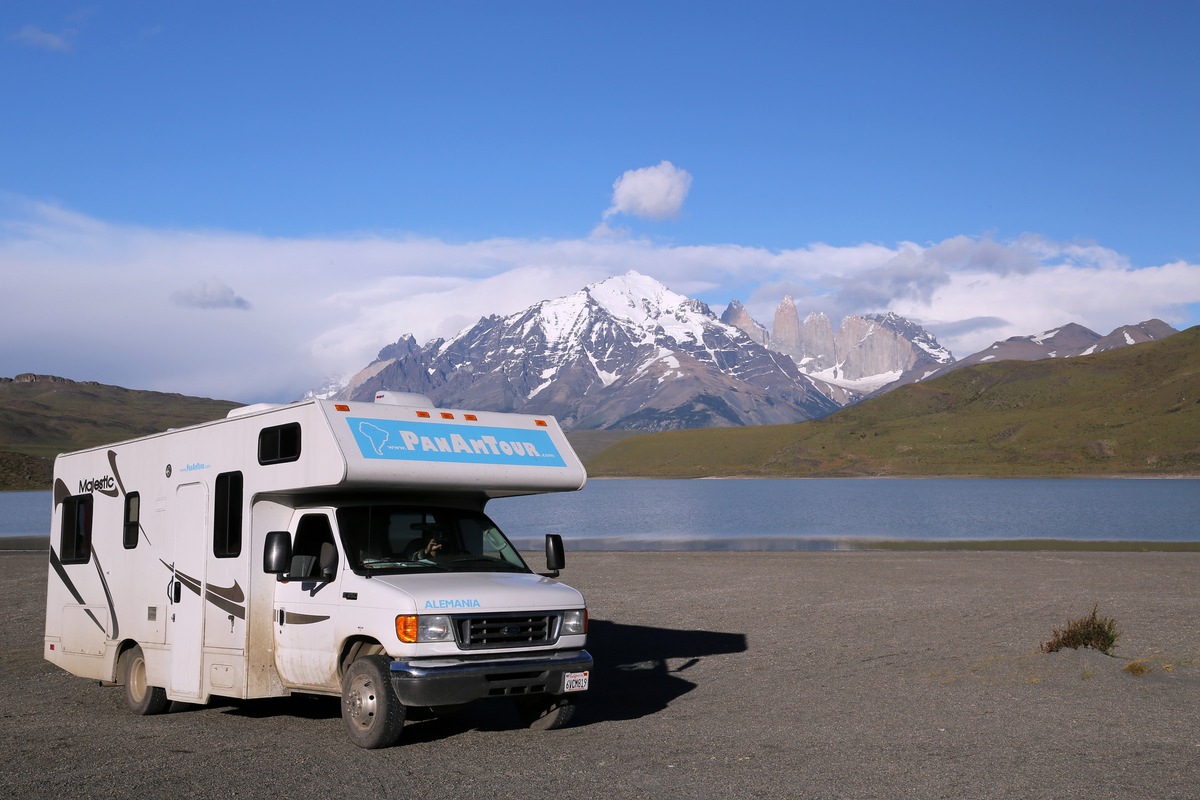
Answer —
1130 411
40 420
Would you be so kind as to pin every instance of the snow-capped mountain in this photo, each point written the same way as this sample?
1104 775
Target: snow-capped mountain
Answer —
629 353
624 353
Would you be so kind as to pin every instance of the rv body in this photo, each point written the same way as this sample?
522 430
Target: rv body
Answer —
318 547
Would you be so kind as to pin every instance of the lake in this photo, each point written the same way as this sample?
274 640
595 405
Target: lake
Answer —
797 513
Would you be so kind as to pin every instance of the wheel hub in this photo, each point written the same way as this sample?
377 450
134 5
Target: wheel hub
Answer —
360 702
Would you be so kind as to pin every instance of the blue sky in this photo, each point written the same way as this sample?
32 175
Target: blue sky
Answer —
237 199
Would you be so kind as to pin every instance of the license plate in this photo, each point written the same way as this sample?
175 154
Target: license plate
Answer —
575 682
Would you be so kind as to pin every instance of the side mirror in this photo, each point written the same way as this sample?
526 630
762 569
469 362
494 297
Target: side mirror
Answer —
556 557
277 553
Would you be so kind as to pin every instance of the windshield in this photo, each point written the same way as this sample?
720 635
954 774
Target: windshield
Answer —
405 538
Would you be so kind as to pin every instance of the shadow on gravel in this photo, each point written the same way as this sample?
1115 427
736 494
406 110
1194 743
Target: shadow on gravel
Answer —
299 706
632 677
638 671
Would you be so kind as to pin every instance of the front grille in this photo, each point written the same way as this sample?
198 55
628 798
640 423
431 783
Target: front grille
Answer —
507 630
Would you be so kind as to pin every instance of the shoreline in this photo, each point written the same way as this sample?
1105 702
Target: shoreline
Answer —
1133 476
40 544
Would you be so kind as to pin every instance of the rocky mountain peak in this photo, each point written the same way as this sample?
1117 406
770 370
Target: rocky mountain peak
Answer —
626 352
735 314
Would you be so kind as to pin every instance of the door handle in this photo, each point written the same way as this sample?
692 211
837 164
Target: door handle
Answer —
176 592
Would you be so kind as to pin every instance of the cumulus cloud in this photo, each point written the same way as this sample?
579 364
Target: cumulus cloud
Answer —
655 193
212 293
96 301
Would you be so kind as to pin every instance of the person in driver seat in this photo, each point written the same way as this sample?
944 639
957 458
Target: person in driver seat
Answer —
431 544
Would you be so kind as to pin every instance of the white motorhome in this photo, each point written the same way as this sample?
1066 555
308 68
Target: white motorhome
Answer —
318 547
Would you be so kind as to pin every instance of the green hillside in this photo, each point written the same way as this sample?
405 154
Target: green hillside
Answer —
43 418
1132 411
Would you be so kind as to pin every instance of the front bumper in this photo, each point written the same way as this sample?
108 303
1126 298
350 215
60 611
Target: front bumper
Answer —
447 682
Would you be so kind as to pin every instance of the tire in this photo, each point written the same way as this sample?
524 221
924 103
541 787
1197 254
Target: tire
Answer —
370 708
141 697
546 713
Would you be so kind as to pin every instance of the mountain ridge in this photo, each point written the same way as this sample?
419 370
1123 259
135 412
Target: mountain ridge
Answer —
626 352
629 353
1130 411
1141 416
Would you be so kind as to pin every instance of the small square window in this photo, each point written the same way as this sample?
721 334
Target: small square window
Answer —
279 444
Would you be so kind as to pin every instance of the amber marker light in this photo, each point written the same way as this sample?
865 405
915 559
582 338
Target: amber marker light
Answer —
423 414
406 628
341 407
541 423
447 415
470 418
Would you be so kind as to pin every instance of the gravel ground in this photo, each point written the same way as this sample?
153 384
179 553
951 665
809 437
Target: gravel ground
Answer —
773 675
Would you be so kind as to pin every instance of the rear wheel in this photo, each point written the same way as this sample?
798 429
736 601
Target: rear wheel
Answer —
370 708
546 713
141 697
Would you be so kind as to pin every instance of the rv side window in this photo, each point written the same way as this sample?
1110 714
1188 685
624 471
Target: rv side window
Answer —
75 542
133 510
227 516
279 444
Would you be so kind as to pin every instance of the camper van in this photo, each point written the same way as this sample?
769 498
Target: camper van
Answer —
320 547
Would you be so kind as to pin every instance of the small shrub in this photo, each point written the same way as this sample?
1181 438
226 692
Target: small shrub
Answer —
1137 667
1096 632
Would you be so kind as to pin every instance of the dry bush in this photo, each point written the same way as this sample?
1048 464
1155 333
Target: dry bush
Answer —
1096 632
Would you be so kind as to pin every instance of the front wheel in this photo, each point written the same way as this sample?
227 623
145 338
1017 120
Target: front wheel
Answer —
370 708
546 714
139 695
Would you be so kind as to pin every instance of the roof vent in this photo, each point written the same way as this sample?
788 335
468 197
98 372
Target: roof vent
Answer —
403 399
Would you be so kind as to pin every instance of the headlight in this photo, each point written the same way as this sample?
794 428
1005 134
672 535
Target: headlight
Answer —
411 628
434 629
575 622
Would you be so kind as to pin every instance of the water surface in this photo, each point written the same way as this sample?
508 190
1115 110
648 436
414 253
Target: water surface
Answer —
792 513
798 513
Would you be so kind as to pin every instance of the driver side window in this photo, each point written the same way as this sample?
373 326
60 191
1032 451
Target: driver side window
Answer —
314 555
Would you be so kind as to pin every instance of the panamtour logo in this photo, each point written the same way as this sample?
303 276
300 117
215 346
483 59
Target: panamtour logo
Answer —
450 443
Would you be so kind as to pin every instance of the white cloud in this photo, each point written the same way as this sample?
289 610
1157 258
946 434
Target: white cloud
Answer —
654 192
36 37
146 308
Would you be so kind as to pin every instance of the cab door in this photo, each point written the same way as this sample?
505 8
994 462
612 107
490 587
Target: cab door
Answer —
306 605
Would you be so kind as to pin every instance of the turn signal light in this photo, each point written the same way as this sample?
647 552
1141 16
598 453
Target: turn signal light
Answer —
406 628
